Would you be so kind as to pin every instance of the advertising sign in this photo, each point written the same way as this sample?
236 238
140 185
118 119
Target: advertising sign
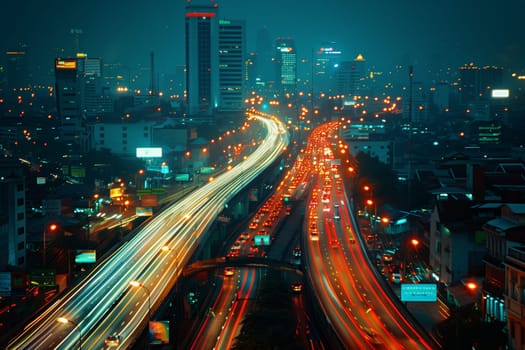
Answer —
143 211
43 277
426 292
70 63
149 152
159 332
116 192
149 200
500 93
86 256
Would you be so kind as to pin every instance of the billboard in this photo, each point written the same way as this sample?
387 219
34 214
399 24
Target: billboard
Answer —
426 292
87 256
500 93
69 63
144 211
149 200
149 152
116 192
43 277
159 332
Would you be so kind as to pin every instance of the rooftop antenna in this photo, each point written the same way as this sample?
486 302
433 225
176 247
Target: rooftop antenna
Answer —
152 76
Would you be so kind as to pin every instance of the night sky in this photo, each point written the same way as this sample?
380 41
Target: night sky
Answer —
386 32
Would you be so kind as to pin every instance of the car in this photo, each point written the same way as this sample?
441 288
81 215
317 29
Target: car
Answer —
229 271
396 277
296 287
297 252
334 243
112 340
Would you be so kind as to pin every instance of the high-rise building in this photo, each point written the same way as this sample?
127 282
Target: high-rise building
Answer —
263 60
351 77
202 73
69 101
96 98
17 67
344 83
326 60
476 83
232 45
12 217
286 66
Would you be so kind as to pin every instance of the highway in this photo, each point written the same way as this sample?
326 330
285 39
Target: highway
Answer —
353 300
105 302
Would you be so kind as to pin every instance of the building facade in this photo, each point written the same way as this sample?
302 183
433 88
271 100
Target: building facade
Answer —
286 66
12 216
202 74
68 90
232 45
515 296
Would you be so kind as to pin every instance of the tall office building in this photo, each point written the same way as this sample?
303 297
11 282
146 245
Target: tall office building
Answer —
202 72
12 215
232 45
17 67
96 98
476 83
325 61
286 66
263 57
351 77
68 95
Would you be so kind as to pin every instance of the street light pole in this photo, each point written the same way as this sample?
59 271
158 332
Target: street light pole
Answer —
52 228
138 284
67 320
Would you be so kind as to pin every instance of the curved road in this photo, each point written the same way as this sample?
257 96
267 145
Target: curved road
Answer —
105 302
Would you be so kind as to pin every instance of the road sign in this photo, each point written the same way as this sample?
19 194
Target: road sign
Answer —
419 292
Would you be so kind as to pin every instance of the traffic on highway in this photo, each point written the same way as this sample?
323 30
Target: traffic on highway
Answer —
118 296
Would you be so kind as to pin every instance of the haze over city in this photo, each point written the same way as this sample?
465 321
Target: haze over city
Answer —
287 175
432 34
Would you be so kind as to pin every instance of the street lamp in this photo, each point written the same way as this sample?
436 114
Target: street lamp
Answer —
51 228
65 321
138 284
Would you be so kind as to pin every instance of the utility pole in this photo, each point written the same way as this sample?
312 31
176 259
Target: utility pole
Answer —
409 145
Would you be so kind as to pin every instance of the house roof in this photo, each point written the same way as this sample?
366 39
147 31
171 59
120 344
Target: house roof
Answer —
501 224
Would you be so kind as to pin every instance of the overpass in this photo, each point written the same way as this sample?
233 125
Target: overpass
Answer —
222 262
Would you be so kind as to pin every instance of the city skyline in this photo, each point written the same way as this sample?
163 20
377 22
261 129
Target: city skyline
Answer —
448 34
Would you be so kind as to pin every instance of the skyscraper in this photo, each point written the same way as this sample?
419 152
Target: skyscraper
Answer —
264 54
231 60
326 60
69 101
18 75
351 77
202 72
286 66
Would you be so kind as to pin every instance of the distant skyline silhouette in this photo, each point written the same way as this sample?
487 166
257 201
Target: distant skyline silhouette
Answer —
446 33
